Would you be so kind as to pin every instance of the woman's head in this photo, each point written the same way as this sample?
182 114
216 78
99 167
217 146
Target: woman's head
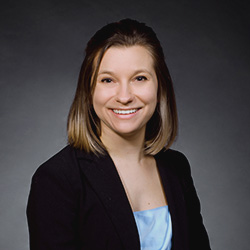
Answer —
84 126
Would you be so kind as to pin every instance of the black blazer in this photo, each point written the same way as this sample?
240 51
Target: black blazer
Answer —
77 202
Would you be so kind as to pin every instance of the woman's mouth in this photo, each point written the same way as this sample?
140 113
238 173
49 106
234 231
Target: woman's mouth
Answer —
124 112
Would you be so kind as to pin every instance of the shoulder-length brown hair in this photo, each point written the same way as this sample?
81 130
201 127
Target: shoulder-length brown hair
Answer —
84 125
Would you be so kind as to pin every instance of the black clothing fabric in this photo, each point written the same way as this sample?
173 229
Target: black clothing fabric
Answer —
77 202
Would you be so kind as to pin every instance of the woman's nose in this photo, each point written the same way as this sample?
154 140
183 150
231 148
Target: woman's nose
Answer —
124 93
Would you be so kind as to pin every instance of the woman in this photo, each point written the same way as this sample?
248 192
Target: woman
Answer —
117 185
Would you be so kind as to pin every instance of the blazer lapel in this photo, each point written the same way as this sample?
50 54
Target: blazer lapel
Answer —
174 194
103 176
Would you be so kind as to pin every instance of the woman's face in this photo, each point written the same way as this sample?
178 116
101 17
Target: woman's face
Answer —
125 95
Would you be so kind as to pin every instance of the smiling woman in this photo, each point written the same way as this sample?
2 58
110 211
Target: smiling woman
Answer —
125 94
84 129
117 185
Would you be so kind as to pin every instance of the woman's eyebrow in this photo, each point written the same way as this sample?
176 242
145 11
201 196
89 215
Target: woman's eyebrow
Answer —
106 72
143 71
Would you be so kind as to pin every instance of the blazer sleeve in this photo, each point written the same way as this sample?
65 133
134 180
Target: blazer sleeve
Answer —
52 210
198 237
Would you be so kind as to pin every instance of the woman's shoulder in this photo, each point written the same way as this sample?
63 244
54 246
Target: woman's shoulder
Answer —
61 166
175 160
65 157
172 155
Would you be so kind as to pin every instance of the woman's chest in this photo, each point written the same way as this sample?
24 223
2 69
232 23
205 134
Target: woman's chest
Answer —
143 186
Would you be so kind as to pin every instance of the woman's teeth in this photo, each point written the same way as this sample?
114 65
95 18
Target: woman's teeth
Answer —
124 112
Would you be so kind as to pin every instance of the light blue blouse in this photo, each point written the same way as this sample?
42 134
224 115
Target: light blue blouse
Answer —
155 228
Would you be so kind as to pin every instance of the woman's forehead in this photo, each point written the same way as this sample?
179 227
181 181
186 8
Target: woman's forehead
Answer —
134 57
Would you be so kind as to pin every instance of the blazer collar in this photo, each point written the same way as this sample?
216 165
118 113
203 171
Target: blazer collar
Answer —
104 178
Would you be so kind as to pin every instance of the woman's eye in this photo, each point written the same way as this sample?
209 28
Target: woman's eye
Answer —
107 80
141 78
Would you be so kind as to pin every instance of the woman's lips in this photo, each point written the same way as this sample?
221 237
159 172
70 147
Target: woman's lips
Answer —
124 112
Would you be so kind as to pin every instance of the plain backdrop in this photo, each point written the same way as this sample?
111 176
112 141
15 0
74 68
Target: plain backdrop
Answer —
206 44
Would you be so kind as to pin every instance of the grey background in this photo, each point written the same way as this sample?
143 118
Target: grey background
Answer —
207 50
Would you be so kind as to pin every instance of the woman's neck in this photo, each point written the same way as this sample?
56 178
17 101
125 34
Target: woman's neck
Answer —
125 148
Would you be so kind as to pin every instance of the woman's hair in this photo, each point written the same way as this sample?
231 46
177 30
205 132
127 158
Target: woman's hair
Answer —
83 123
